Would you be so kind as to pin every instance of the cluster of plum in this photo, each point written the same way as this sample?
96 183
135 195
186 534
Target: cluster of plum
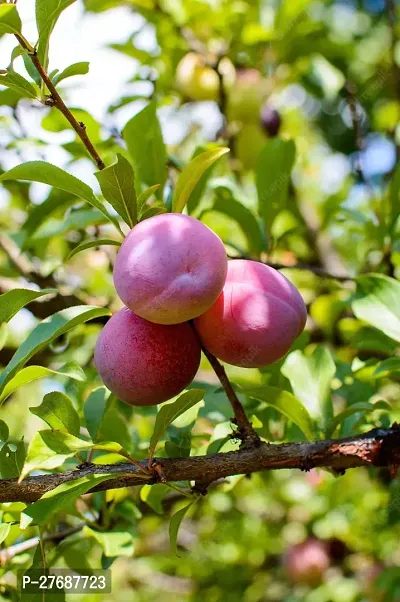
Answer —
181 293
246 92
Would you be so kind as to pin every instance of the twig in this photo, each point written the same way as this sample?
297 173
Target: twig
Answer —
245 429
379 447
8 553
55 100
355 118
300 266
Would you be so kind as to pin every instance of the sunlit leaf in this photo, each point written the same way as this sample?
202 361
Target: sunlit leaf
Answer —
310 377
117 184
17 82
32 373
75 69
45 332
170 411
58 411
59 498
377 303
40 171
90 244
285 403
10 21
47 13
143 137
191 175
12 301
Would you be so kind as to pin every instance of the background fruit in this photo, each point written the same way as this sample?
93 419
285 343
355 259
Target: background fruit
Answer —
307 562
143 363
198 81
246 96
170 268
270 120
248 145
256 318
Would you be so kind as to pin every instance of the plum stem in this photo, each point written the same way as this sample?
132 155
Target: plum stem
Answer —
246 431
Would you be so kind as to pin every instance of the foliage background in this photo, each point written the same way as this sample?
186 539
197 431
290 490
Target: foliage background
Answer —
339 215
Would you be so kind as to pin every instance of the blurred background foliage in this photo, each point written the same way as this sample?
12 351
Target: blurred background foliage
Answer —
329 72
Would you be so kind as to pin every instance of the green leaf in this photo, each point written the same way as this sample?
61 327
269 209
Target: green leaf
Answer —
58 411
59 498
377 303
143 137
114 543
153 495
45 332
285 403
19 84
50 449
32 373
310 377
4 531
170 411
117 184
56 200
274 167
76 220
40 171
387 367
361 406
180 433
93 410
89 244
151 211
75 69
200 187
31 69
225 203
47 13
10 21
113 427
145 195
191 175
12 301
174 525
4 432
12 457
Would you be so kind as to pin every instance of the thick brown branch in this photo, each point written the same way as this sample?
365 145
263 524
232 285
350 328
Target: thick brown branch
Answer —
379 447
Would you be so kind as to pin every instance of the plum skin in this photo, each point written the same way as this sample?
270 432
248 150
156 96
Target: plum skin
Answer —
145 364
256 318
170 268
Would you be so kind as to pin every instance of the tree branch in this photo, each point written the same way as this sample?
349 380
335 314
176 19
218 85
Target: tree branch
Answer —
379 447
319 271
55 100
8 553
246 431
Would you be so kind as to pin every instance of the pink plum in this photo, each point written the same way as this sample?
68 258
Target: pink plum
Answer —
255 319
170 268
143 363
307 562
